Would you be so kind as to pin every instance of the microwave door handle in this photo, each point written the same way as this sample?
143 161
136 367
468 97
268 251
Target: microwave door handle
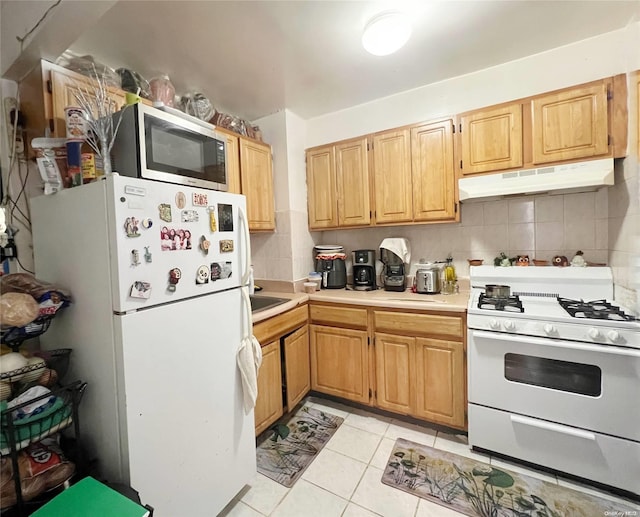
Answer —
244 230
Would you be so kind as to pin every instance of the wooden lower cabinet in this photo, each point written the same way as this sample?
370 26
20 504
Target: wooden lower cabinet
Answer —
340 362
269 402
440 381
395 372
297 366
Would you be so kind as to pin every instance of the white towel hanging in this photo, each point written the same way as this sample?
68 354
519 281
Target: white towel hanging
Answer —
249 359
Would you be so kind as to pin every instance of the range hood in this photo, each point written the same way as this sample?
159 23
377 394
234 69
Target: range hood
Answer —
571 177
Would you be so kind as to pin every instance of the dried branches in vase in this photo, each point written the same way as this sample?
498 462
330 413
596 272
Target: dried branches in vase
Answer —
103 119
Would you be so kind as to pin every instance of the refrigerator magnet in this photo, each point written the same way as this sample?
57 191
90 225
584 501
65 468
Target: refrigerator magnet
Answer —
147 254
147 223
189 216
225 214
131 227
135 258
141 290
213 226
226 270
164 210
204 244
200 199
181 200
202 275
226 245
216 271
174 277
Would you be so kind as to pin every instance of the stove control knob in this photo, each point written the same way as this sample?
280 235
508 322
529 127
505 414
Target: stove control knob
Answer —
494 323
549 329
509 325
613 335
594 333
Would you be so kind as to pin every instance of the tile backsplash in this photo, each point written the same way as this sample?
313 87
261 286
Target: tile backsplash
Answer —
539 226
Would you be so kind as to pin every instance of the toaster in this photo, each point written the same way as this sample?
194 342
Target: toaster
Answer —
428 280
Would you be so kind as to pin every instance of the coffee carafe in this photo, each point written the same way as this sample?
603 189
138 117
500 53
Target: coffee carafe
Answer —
395 254
364 270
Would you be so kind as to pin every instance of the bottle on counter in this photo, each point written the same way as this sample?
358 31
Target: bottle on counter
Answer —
449 278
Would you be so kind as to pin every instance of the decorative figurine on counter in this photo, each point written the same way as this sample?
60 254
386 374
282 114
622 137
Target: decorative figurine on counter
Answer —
523 260
560 260
578 260
502 260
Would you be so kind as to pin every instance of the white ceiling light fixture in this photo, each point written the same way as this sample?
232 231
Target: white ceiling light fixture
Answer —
386 32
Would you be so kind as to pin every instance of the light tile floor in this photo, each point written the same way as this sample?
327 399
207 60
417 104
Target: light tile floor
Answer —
345 479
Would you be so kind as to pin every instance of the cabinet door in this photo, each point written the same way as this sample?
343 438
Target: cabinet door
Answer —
297 366
339 362
65 87
491 139
392 175
440 381
233 164
352 176
395 382
321 185
257 184
269 402
432 171
570 124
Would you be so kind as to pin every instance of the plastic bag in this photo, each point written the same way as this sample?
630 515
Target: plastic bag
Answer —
198 105
87 65
162 90
133 82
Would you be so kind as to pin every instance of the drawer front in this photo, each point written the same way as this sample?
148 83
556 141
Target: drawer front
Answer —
559 447
280 324
338 315
415 324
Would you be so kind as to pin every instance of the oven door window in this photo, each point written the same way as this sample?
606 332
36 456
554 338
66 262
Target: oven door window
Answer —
584 379
175 150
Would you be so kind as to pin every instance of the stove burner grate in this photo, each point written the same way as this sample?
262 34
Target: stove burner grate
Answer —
596 309
509 304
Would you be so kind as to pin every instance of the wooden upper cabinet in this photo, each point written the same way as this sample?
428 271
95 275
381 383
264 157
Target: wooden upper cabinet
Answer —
352 178
321 188
233 164
392 176
256 175
491 139
570 124
338 185
65 86
432 170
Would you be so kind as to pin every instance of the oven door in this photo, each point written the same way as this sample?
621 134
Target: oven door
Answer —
592 387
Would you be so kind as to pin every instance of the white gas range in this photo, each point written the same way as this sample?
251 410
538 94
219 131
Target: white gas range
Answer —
554 380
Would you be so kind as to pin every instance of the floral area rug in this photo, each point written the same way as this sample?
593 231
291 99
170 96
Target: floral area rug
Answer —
477 489
285 450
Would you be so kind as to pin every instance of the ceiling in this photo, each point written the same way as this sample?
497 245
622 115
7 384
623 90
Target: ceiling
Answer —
253 58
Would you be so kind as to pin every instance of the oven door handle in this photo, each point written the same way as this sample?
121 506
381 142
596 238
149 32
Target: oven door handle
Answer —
572 345
557 428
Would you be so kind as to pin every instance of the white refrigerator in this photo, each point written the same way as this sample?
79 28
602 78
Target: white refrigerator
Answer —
156 273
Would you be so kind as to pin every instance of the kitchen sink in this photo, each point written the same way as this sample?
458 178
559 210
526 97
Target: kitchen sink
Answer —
262 303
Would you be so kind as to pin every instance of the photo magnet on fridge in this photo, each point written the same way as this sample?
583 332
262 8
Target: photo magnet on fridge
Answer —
141 290
225 216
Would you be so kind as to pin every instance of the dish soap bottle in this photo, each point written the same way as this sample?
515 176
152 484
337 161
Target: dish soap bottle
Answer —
450 283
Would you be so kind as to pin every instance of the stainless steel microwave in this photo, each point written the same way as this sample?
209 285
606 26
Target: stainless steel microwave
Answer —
167 145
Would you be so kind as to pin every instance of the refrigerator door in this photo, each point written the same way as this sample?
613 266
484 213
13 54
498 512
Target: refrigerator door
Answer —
172 242
191 447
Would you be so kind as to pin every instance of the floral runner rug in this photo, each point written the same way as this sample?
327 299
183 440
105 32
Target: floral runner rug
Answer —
285 450
477 489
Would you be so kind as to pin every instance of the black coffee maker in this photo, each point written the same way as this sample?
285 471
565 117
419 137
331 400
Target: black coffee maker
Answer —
364 270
